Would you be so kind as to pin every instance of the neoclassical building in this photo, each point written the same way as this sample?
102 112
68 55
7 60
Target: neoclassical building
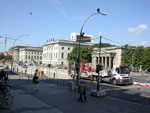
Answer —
109 56
15 51
56 52
31 55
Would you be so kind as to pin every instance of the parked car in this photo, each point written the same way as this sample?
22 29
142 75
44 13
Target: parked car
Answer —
24 66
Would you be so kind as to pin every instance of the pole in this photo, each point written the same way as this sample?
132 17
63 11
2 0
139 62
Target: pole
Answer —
99 63
132 58
5 44
13 49
81 35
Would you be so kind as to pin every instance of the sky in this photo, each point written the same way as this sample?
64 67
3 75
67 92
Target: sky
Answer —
127 21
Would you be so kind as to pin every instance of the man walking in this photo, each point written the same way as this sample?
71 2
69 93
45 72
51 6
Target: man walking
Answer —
35 81
82 91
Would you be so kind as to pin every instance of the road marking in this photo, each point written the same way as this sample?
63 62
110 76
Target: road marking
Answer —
130 87
147 96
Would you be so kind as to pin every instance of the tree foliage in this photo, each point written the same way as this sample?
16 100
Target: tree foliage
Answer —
8 57
138 56
85 52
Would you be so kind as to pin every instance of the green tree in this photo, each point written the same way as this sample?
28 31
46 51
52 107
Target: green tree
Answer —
85 52
139 56
146 59
2 56
8 57
127 57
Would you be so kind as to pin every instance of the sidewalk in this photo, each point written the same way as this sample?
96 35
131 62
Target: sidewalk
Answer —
55 99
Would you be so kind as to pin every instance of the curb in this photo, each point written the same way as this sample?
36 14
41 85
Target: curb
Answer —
142 84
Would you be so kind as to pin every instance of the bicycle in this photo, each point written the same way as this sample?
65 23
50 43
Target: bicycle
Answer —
6 99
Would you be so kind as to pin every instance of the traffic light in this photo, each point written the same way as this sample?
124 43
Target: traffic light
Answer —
77 67
99 68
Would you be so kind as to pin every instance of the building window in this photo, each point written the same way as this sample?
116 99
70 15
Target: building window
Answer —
56 55
62 55
51 55
29 57
68 48
26 56
62 48
67 55
34 57
40 57
62 63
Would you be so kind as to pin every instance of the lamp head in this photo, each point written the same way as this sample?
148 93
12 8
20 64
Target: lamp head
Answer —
98 10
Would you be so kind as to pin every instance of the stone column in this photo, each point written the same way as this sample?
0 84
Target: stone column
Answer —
102 62
110 61
105 61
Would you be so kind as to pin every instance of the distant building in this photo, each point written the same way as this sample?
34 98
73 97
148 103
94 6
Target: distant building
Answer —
26 54
85 38
109 56
56 52
14 52
31 55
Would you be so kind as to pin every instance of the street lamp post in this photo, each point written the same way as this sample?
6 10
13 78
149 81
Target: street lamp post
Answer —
81 35
13 48
99 63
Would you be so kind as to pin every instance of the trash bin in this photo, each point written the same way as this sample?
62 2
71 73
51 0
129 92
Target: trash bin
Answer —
71 86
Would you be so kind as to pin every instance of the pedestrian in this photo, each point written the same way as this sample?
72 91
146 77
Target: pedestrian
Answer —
25 71
2 75
54 75
35 81
5 77
82 91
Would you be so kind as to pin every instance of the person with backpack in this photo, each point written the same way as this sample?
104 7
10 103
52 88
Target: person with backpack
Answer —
35 81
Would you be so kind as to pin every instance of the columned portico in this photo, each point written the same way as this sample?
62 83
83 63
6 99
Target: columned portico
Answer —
109 56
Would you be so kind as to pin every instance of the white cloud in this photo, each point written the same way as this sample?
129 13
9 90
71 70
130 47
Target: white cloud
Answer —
100 33
138 30
144 43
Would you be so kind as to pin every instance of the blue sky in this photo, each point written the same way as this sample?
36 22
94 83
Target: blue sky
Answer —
127 22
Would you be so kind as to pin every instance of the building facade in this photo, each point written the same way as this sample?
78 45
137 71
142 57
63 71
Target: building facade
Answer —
109 56
56 52
31 55
15 51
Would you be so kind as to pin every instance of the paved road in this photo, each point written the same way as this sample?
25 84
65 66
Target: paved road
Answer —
57 99
54 97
